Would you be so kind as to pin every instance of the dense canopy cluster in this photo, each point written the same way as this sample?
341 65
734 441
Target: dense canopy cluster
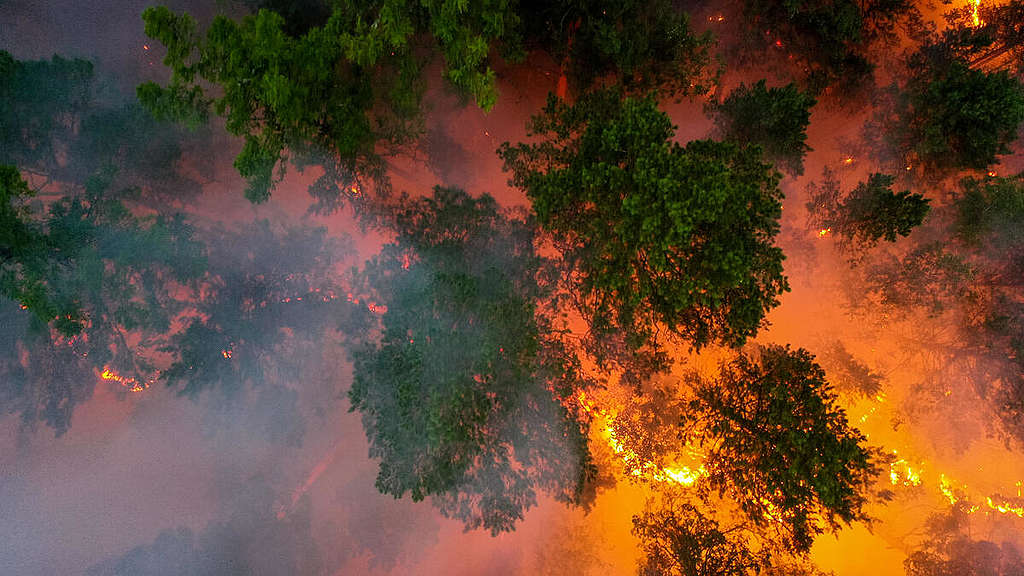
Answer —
502 356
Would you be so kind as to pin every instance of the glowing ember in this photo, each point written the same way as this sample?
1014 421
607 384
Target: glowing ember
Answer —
848 160
131 384
824 232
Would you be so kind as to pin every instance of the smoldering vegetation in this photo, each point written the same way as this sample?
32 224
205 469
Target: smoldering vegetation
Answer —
676 358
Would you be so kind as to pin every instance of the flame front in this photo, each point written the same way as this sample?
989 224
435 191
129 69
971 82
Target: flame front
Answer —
131 384
683 475
975 18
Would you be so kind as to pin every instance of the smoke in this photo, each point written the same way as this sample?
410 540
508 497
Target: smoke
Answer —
205 482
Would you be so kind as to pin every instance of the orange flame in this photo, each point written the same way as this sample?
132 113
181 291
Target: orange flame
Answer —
975 18
824 232
683 475
131 384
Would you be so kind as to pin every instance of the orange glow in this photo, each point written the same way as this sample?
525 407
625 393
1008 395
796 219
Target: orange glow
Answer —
683 475
992 173
131 384
975 19
824 232
848 160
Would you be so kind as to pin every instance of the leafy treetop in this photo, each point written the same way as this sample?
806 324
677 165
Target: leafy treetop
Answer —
462 395
778 444
775 119
653 233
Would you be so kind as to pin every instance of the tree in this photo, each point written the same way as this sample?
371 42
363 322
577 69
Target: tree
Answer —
101 277
775 119
463 392
653 233
949 552
326 96
677 540
868 213
778 444
948 116
39 103
828 39
642 45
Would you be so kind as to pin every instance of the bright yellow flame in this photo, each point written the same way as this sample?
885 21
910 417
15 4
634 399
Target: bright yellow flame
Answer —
975 19
684 475
902 474
824 232
131 384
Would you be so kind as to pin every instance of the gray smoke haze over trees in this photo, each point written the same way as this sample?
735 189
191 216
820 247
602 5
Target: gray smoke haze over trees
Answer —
181 334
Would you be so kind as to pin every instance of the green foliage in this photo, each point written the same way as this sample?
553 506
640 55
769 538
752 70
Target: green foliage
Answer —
778 444
868 213
461 395
653 233
643 45
24 251
991 211
949 116
828 38
39 102
99 276
330 93
775 119
677 540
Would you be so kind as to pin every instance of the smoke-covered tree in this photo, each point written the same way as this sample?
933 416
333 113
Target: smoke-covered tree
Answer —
775 119
53 127
642 45
777 443
250 539
948 116
828 39
327 96
678 540
462 392
865 215
39 103
106 281
653 233
949 551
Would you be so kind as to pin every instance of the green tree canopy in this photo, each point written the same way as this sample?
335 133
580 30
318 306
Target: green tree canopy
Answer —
107 282
775 119
39 103
867 214
642 45
462 393
948 116
778 444
653 233
829 39
678 540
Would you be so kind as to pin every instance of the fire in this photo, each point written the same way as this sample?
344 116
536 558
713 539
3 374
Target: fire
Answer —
975 19
902 474
848 160
131 384
683 475
824 232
